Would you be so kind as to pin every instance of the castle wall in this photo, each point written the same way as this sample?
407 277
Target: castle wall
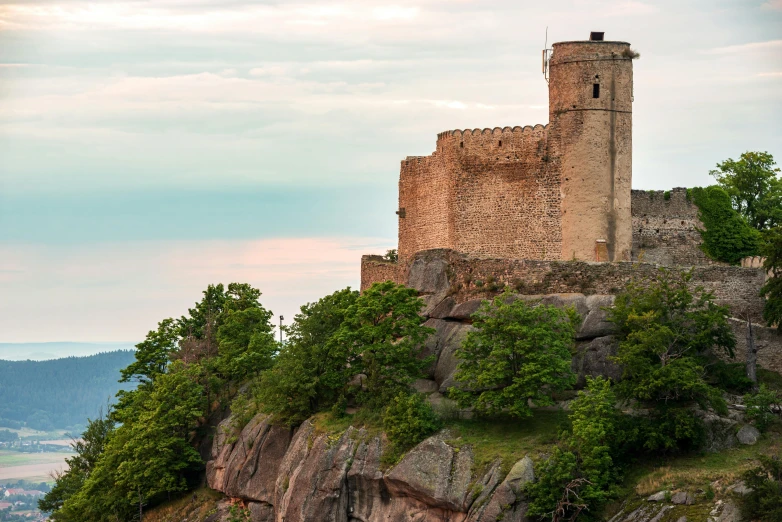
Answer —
425 202
483 191
590 114
506 202
665 229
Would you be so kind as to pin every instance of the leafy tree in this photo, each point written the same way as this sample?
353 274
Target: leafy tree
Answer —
88 450
246 343
311 370
582 465
753 186
152 355
726 235
764 501
518 352
383 336
772 289
759 406
408 420
204 318
667 333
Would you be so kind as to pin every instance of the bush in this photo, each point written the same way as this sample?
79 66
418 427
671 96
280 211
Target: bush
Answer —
408 420
518 352
667 333
726 236
583 464
764 502
731 377
759 407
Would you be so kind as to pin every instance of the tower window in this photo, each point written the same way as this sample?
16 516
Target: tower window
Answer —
461 145
596 90
500 145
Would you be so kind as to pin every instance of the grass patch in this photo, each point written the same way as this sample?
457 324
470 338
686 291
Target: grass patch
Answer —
507 439
194 505
693 472
329 424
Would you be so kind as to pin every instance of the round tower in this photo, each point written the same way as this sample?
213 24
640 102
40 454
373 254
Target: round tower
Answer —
590 133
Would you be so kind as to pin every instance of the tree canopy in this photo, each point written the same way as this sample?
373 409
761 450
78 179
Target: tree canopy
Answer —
519 352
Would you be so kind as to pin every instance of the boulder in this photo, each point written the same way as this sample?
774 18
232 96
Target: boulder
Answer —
434 473
442 310
261 512
464 311
593 359
595 323
505 502
425 386
449 339
657 497
577 301
748 435
429 276
720 431
682 497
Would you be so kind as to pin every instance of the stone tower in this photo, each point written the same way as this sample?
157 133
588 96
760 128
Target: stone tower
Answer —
590 144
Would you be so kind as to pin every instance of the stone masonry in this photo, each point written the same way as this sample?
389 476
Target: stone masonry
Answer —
554 192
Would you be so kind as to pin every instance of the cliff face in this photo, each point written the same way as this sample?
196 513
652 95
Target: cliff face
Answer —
300 475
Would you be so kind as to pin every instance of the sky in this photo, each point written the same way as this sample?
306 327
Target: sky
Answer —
150 148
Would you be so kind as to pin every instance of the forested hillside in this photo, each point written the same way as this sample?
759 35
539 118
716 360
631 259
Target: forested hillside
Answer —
61 393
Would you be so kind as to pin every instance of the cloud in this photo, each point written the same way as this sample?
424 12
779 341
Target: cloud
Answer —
74 293
772 5
770 45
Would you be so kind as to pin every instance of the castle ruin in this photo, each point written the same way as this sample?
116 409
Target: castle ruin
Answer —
554 192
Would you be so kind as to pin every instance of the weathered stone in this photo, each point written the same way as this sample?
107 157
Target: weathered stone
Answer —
726 512
720 432
484 489
443 309
434 473
593 359
682 497
681 519
595 323
521 473
449 340
358 381
261 512
429 276
748 435
740 488
425 386
657 497
575 300
464 311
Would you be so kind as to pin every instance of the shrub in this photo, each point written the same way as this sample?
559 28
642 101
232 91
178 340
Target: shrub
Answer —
518 352
731 377
726 235
408 420
759 407
764 502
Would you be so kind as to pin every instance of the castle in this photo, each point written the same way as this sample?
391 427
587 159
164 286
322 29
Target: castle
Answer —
559 191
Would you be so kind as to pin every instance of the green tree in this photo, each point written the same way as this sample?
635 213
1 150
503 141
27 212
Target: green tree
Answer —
311 370
88 450
753 186
772 289
726 234
408 420
583 464
667 333
759 406
517 353
246 343
764 501
152 355
383 337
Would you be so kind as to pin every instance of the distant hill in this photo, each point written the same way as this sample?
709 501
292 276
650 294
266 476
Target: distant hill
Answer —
59 393
56 350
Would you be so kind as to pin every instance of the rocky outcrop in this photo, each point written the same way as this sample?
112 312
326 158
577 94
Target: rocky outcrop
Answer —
302 475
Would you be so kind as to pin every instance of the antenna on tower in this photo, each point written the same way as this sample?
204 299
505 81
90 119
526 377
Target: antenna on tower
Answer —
546 57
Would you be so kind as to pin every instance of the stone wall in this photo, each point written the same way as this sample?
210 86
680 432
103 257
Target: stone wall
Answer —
484 191
665 229
471 277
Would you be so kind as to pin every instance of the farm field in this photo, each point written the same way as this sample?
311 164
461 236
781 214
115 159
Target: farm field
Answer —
34 467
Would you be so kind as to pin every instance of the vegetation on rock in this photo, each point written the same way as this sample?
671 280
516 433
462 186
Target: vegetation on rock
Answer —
519 352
